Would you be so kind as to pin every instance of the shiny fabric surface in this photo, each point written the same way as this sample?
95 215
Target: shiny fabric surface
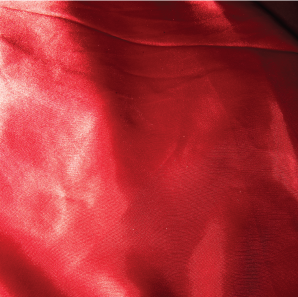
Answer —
148 149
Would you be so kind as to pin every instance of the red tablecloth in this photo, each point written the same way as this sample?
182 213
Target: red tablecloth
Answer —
148 149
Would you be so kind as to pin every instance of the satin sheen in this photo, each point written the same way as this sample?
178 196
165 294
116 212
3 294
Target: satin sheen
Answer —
148 149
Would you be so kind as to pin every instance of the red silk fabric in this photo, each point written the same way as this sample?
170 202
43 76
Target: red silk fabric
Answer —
148 149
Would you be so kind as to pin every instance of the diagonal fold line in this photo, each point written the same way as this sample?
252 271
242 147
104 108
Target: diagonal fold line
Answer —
75 21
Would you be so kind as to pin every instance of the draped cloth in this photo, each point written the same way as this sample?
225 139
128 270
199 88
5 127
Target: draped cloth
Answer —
148 149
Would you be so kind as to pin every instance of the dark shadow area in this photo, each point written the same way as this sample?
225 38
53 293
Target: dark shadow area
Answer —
262 250
20 276
285 13
283 80
148 278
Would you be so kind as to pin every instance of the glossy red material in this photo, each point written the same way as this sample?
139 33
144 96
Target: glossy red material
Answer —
148 149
